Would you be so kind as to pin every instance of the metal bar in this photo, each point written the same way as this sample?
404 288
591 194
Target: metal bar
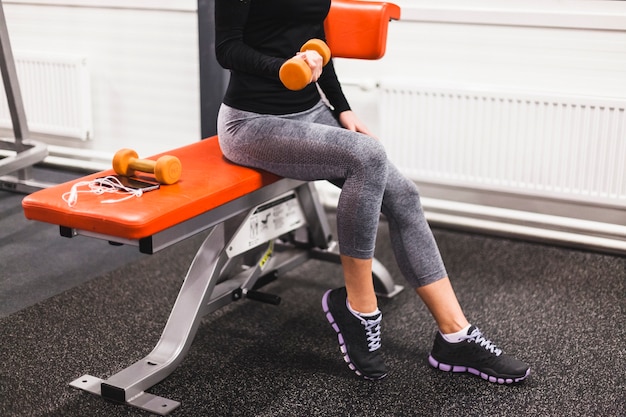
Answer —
189 308
30 154
314 212
11 85
27 154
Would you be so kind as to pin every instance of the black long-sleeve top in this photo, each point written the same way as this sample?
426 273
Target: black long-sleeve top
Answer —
255 37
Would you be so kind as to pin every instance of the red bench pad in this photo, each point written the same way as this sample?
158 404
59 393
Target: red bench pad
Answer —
207 181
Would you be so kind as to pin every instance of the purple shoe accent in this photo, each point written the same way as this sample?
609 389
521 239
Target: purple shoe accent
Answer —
458 369
478 356
473 371
433 362
325 306
524 377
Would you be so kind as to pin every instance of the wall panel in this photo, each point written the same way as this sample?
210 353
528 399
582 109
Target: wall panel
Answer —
143 68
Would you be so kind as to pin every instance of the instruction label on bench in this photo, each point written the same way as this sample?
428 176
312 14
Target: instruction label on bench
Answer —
266 222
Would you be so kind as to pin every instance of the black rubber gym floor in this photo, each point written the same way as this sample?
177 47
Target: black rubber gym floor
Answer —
79 306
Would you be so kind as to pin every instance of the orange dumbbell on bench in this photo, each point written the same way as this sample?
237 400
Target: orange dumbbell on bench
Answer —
166 169
295 74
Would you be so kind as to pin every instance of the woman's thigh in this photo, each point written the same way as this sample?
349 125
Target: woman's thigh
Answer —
306 146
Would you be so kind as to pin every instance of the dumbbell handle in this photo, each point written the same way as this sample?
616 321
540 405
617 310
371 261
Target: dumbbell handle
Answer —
166 169
295 73
320 47
143 165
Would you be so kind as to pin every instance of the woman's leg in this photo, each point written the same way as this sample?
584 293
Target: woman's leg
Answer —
310 146
442 303
359 284
305 146
458 346
417 253
297 146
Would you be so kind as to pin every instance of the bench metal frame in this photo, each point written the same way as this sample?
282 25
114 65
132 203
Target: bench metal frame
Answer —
220 275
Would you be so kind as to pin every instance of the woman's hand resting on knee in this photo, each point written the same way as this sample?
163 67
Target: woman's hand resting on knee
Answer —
350 121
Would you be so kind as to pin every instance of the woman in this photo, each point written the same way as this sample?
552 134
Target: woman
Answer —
295 134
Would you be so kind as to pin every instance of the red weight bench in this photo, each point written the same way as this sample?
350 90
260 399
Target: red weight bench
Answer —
242 251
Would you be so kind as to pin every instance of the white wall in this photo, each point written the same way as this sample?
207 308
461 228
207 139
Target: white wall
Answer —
566 47
143 64
143 56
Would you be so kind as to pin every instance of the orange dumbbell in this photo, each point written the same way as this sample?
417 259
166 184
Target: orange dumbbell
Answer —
295 74
166 169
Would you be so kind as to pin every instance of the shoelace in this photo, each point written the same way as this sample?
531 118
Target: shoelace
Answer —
477 337
372 330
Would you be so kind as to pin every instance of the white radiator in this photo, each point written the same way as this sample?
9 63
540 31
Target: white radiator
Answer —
56 94
533 165
554 146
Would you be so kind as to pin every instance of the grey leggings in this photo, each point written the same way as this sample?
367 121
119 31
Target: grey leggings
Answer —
310 146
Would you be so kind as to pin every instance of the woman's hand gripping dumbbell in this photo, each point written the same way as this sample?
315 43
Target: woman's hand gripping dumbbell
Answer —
296 72
166 169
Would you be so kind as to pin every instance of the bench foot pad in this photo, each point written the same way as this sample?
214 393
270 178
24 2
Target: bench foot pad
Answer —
145 401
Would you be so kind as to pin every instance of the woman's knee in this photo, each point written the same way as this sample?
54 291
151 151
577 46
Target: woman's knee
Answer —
373 157
401 196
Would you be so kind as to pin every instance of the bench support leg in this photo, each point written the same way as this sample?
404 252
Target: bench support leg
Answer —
217 277
195 299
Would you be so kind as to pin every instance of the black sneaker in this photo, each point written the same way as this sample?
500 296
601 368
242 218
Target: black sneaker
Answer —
478 356
359 338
